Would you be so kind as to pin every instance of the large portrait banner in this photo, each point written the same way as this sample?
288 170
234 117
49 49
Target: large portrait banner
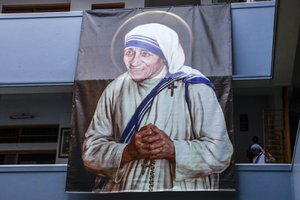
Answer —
152 104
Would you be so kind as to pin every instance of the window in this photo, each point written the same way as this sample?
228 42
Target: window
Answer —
108 6
28 144
31 8
157 3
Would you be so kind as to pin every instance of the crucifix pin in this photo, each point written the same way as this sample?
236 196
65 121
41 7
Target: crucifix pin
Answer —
172 87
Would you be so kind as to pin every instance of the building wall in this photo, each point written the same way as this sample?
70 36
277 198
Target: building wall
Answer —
45 32
66 28
48 108
296 168
264 182
45 54
56 108
48 182
36 182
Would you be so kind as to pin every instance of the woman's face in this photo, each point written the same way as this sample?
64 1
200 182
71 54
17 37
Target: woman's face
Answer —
142 64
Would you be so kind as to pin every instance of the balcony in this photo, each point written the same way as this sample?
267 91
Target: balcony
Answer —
41 49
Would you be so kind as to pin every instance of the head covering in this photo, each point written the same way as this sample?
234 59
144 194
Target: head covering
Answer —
145 43
257 147
160 40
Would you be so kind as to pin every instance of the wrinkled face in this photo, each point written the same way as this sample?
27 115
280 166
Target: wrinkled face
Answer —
142 64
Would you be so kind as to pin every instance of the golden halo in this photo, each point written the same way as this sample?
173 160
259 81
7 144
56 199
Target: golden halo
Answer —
167 18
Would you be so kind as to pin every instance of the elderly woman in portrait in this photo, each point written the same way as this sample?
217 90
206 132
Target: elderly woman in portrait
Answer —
159 126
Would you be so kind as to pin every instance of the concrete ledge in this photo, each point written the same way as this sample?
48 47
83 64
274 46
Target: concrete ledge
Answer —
253 4
41 15
264 167
33 168
63 168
